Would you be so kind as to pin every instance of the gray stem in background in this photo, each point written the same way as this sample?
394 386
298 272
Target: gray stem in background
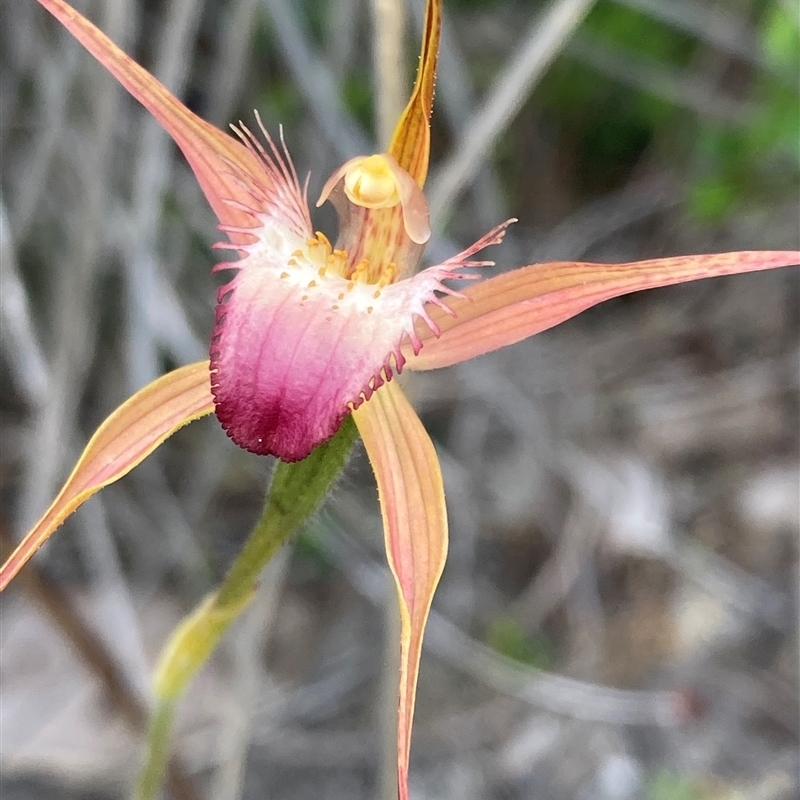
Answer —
391 92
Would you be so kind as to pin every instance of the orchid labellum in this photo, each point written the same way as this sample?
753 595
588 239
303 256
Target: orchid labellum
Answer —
308 331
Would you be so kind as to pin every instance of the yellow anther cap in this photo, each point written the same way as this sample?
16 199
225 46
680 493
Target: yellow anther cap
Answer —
371 183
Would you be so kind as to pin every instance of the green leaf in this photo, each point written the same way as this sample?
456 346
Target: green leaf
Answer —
780 39
507 638
711 199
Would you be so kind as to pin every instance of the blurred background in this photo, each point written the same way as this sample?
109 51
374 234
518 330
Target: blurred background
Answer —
618 617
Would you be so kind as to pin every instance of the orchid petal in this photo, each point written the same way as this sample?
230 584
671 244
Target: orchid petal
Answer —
411 141
412 503
125 439
508 308
223 166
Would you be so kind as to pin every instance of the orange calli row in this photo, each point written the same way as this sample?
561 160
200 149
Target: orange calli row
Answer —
308 332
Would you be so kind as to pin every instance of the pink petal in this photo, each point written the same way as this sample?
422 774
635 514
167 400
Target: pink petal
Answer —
227 170
411 495
510 307
124 440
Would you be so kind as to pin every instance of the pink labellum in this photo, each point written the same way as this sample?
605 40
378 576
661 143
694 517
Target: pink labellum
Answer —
296 346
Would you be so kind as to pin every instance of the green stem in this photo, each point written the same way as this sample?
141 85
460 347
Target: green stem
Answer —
158 750
296 492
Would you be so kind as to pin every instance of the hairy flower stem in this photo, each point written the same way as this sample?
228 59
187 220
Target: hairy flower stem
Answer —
296 492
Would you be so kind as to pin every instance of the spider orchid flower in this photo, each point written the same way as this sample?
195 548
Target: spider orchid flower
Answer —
308 332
